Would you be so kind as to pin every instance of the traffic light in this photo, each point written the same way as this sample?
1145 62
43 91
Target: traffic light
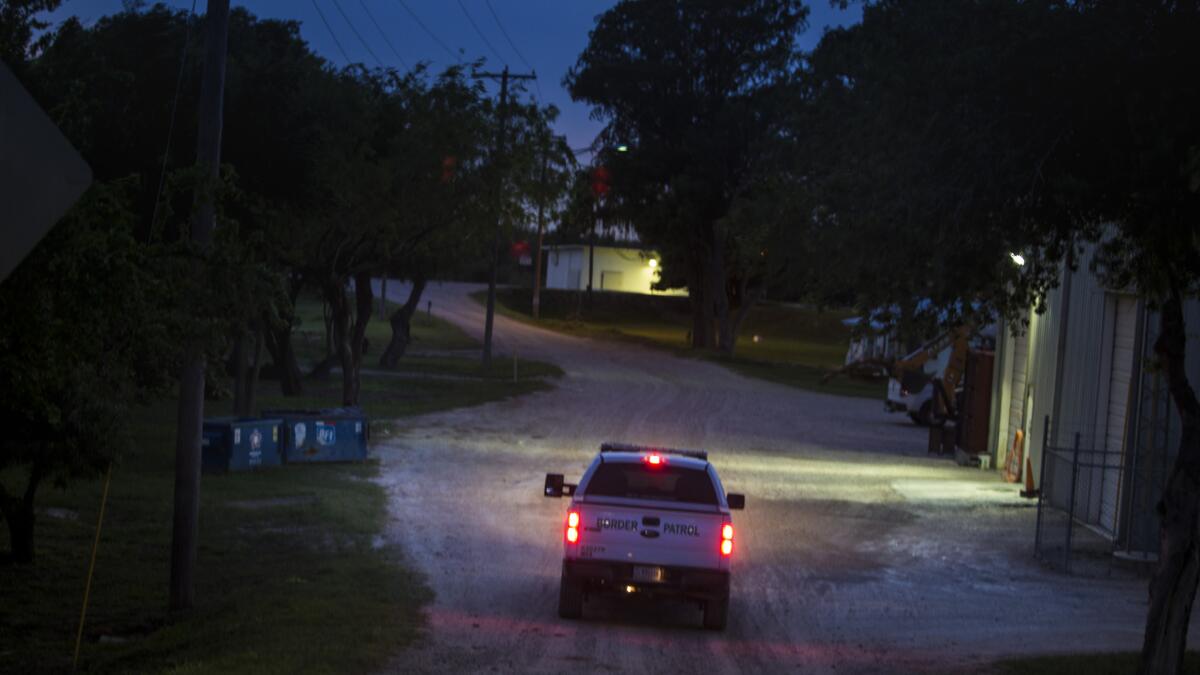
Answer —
601 181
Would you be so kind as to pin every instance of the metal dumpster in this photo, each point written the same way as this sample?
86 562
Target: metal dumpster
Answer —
240 444
329 435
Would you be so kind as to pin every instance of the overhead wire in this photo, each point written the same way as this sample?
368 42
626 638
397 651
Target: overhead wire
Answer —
480 33
331 33
162 175
504 32
358 35
428 32
537 85
383 35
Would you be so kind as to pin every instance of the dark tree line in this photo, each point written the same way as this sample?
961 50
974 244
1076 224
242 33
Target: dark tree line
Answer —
906 157
330 177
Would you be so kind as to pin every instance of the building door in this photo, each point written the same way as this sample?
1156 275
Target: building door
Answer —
1117 409
612 281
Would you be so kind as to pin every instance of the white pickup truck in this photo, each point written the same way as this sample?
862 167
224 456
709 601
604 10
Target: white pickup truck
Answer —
651 521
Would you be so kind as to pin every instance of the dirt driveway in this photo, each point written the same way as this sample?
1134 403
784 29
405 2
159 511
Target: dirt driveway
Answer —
857 552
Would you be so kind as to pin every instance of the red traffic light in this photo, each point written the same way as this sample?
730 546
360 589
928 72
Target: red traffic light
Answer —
601 181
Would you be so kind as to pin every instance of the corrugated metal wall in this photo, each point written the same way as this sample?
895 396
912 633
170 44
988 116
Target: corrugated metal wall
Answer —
1043 372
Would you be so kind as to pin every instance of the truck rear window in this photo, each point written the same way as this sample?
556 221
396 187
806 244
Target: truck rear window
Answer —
666 483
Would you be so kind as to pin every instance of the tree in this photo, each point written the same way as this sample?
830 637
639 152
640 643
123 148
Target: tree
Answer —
953 133
67 393
688 87
19 23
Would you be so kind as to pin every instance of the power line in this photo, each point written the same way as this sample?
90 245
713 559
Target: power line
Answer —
383 35
358 35
331 33
505 34
480 33
162 175
513 45
428 32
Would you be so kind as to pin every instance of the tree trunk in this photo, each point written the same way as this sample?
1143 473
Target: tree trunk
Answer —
401 321
699 295
279 345
720 297
240 372
364 306
339 323
20 532
747 302
255 369
20 517
1173 586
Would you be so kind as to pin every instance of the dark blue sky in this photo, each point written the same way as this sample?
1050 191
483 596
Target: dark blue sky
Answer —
550 34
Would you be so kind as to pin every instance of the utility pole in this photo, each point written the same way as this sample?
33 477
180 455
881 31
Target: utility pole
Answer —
190 421
498 164
592 251
537 252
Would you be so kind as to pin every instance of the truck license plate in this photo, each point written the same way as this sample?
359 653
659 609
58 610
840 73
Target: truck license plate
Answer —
652 574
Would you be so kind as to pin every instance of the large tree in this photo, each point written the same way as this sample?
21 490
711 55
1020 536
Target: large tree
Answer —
691 88
66 392
951 134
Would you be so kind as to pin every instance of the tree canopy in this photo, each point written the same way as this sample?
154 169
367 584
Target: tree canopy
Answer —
692 89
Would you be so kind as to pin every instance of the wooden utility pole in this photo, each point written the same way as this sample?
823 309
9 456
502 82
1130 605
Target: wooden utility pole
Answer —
498 164
541 223
190 423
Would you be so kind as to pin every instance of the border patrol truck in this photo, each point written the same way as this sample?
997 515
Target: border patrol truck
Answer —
649 521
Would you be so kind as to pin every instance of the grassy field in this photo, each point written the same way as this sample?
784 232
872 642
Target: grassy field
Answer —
1121 663
292 574
782 343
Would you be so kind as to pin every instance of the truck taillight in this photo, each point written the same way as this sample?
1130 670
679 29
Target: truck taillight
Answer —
572 527
727 539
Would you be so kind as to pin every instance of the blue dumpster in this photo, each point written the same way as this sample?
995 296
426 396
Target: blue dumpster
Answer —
330 435
240 444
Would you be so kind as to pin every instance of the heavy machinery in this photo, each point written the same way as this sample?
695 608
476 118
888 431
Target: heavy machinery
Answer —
924 383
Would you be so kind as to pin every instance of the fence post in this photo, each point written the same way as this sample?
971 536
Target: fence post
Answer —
1041 488
1071 506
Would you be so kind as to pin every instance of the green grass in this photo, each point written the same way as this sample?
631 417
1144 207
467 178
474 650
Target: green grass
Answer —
292 575
284 586
794 346
1121 663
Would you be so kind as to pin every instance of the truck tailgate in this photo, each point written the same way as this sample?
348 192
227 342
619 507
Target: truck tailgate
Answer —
649 535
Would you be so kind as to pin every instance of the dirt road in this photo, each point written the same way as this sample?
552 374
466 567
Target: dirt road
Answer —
856 552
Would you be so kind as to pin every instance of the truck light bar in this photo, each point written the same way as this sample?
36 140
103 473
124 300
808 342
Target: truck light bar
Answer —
629 447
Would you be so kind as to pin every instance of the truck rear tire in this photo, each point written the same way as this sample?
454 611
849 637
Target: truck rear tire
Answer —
716 612
570 598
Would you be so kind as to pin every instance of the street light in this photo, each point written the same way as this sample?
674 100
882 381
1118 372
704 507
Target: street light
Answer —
1017 258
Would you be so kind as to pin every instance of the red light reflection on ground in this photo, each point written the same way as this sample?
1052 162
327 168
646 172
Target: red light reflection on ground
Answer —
452 624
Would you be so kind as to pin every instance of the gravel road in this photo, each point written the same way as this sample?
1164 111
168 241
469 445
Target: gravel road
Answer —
856 551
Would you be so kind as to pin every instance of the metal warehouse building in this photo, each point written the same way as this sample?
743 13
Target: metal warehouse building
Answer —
1081 386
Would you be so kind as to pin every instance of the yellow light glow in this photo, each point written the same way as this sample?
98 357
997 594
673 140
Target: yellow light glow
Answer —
630 589
653 263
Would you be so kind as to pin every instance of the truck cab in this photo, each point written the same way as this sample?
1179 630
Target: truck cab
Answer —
649 521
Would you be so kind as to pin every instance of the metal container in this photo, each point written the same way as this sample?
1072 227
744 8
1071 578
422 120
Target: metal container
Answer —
240 444
328 435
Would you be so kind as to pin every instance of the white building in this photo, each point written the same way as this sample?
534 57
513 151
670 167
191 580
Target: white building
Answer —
630 270
1086 366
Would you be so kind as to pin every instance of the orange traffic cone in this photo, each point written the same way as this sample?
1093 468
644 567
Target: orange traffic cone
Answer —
1029 492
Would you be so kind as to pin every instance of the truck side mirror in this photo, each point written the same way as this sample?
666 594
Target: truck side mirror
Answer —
736 501
554 485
